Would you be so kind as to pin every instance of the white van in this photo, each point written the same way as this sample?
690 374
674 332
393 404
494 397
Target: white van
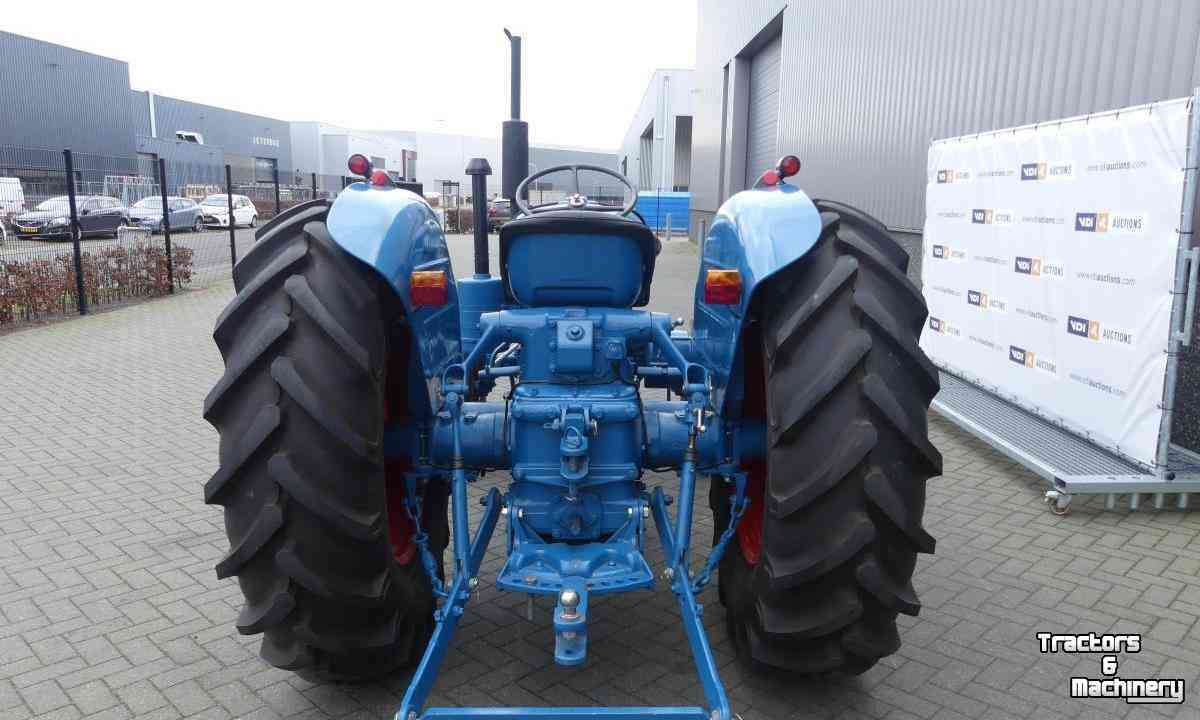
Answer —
12 197
12 201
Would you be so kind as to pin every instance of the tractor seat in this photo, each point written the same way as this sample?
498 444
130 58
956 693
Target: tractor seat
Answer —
577 258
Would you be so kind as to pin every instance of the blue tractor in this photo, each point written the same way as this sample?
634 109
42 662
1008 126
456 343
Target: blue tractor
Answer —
366 387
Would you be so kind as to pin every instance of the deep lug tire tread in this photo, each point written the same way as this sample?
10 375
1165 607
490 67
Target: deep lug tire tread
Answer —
847 391
299 411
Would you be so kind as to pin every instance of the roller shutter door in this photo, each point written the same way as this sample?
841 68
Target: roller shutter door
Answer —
763 115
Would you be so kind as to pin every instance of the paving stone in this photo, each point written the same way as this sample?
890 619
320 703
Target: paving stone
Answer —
93 697
44 697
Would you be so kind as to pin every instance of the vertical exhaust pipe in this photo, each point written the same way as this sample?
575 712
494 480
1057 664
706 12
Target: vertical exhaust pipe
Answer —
479 169
514 145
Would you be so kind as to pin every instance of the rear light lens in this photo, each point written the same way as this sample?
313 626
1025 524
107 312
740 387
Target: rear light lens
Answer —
770 178
428 287
359 165
722 287
379 178
789 165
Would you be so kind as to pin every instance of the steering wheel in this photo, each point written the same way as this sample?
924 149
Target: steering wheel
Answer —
575 201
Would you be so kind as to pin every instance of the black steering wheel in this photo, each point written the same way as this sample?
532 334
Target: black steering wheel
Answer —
575 200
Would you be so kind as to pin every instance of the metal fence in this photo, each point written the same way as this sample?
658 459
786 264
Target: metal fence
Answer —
81 232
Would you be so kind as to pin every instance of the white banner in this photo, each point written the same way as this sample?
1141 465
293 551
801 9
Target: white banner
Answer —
1049 264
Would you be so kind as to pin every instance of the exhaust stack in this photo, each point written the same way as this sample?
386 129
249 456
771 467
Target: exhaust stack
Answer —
514 144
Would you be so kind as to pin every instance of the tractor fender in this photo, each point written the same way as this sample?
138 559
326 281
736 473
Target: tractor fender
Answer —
396 232
757 232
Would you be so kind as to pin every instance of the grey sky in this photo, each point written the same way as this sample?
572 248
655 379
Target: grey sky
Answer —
396 65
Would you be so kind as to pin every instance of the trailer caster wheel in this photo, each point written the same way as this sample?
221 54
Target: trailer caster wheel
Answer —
1059 502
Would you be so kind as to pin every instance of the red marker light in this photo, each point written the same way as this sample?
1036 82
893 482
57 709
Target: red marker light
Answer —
380 178
789 165
428 287
722 287
359 165
770 178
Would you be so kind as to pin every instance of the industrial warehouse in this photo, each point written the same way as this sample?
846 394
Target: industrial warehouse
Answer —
85 103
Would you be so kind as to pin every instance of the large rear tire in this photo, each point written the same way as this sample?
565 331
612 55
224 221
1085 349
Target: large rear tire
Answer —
823 565
300 410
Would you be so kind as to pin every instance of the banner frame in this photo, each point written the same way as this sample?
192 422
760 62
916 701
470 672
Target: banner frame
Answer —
1170 461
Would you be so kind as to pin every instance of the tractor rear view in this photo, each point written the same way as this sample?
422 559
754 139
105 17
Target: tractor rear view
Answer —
354 413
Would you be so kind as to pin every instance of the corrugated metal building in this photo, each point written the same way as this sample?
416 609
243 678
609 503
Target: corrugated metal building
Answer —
326 148
858 88
444 156
57 97
255 146
656 153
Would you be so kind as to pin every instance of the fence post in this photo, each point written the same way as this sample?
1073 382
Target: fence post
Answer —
166 224
232 229
276 180
314 183
75 232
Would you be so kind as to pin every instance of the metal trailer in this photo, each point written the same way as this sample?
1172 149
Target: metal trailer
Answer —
1070 461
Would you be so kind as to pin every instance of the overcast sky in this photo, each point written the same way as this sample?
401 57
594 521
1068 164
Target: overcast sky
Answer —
399 65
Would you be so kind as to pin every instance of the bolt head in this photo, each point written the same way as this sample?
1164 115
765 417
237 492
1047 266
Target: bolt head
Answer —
473 583
575 332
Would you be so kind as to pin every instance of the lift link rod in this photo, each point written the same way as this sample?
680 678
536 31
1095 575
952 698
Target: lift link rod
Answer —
452 609
689 610
738 504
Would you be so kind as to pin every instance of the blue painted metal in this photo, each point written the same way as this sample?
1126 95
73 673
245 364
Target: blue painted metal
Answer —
689 610
538 567
569 269
737 507
448 614
396 232
567 713
656 206
477 294
573 430
758 233
412 507
570 624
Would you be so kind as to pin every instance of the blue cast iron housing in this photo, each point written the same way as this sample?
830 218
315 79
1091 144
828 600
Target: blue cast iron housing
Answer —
560 323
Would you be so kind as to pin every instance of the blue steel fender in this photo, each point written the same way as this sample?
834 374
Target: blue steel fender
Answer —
396 232
757 232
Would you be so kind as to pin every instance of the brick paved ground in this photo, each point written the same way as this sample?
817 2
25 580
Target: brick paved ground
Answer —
109 606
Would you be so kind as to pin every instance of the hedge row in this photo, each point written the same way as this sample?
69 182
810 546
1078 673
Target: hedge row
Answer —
36 288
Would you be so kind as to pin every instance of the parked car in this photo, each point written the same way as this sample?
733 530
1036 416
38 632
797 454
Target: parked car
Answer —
185 214
215 211
51 219
499 212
